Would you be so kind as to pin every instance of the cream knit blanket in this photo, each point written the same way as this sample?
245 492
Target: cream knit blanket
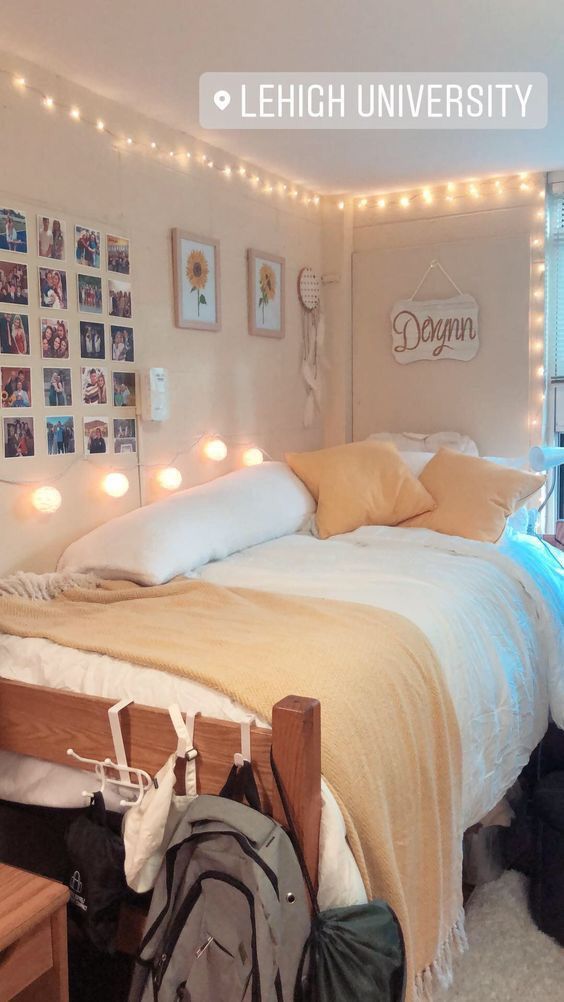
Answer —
390 740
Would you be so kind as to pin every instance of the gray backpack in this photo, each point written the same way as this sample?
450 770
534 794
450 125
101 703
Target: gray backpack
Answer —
229 917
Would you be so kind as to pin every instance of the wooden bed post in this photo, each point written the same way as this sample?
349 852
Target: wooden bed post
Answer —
296 746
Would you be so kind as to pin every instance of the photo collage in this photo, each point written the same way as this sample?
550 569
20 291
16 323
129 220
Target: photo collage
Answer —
66 312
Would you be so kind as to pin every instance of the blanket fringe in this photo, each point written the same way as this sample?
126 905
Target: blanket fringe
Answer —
440 971
43 587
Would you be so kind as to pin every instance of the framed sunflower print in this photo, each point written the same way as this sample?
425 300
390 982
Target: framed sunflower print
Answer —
196 281
266 275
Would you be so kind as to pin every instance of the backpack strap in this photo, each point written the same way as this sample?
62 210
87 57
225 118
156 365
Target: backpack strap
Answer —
293 832
241 785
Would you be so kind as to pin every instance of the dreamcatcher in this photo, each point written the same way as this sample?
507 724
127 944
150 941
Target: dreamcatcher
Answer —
309 288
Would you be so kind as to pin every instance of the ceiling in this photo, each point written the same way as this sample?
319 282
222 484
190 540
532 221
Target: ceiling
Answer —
150 55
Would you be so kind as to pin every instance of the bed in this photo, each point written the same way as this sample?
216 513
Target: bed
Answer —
493 615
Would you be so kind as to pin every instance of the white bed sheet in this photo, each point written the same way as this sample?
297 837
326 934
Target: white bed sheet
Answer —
493 615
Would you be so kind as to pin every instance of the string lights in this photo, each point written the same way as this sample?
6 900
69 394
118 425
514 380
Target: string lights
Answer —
447 194
47 499
173 156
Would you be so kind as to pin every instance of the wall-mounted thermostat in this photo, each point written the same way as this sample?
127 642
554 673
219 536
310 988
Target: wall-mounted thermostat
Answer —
155 395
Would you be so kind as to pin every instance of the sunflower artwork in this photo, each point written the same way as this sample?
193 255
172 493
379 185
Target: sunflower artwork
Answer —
266 294
197 272
196 281
267 285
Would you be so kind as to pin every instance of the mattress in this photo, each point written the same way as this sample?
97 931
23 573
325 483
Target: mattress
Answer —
494 615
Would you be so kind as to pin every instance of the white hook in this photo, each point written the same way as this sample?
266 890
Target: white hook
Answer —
140 783
117 737
245 754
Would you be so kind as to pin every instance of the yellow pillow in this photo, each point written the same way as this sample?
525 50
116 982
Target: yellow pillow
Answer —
364 483
474 496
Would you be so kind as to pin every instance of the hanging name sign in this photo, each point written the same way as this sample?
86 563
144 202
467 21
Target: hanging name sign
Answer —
435 329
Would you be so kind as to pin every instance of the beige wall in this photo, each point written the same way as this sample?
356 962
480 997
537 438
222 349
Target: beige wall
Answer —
487 250
246 388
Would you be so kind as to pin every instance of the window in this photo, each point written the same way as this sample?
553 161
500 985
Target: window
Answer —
555 321
556 286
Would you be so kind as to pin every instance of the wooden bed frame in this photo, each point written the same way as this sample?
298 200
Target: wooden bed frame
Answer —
44 723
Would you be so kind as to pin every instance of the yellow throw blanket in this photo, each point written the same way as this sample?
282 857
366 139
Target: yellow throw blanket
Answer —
390 740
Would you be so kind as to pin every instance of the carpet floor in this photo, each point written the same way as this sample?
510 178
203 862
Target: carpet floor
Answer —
508 958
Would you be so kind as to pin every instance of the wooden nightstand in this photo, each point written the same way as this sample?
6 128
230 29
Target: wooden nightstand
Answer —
33 938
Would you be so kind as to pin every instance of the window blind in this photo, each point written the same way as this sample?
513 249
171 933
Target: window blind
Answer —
556 286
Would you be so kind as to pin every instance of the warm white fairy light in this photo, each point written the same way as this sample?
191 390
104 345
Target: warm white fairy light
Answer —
474 191
188 155
381 203
524 186
363 203
427 196
75 114
341 205
100 125
451 186
129 141
315 199
169 478
19 81
48 102
116 485
227 170
215 449
153 145
46 500
252 456
540 371
241 171
404 202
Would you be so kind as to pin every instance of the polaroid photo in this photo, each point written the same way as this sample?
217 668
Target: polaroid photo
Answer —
117 254
125 435
19 438
87 243
54 338
13 284
96 436
51 238
124 389
94 383
53 289
92 339
119 295
60 435
57 387
16 386
89 294
13 231
14 334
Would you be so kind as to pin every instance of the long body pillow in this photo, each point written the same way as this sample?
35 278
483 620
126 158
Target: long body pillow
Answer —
151 545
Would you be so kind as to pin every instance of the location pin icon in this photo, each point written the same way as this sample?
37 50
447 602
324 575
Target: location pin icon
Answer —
222 99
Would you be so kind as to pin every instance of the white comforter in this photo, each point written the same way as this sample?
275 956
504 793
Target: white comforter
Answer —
494 615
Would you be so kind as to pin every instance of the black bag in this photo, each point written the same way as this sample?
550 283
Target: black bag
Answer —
97 884
352 953
546 889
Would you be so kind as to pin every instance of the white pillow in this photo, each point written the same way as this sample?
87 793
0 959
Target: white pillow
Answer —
411 441
417 461
151 545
